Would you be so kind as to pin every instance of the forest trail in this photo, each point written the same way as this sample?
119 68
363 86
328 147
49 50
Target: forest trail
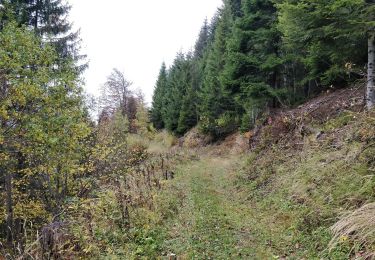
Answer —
214 222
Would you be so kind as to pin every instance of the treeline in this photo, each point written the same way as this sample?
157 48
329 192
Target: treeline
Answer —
52 154
256 55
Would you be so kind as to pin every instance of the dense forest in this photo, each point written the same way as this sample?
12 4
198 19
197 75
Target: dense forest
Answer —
256 55
275 106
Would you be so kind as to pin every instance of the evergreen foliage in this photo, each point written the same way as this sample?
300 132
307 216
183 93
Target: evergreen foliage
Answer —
260 54
215 104
202 42
174 93
158 98
327 35
49 20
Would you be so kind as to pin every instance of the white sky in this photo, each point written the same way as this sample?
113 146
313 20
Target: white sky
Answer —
136 36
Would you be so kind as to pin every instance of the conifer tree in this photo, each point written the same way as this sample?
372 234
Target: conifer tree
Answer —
213 104
158 99
327 36
252 71
190 80
49 20
174 93
259 54
202 41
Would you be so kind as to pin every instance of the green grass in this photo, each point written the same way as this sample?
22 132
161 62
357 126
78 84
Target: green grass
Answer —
213 222
273 204
298 196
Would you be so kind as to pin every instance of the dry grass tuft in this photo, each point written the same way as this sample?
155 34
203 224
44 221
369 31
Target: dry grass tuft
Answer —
358 226
162 142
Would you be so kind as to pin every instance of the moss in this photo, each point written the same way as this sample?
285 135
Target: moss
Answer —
340 121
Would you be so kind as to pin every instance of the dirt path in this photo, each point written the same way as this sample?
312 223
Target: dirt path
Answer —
214 222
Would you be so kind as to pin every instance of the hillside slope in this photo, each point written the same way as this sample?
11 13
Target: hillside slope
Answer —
303 190
309 168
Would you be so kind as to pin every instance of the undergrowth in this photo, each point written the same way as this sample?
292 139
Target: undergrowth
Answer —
300 194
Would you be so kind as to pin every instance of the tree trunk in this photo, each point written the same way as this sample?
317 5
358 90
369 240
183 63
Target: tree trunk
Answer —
36 22
9 207
370 90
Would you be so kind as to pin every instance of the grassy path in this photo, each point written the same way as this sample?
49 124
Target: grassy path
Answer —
213 223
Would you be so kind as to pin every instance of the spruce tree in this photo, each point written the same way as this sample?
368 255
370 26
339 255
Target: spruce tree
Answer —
188 115
49 20
158 99
174 93
202 41
331 34
213 103
179 112
190 81
252 72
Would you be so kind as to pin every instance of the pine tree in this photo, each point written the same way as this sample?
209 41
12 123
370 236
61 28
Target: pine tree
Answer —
213 104
176 88
188 117
158 99
49 20
331 34
202 41
252 71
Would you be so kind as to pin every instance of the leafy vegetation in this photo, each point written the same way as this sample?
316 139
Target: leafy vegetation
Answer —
43 130
56 163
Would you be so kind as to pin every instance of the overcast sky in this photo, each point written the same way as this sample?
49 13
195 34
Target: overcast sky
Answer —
136 36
